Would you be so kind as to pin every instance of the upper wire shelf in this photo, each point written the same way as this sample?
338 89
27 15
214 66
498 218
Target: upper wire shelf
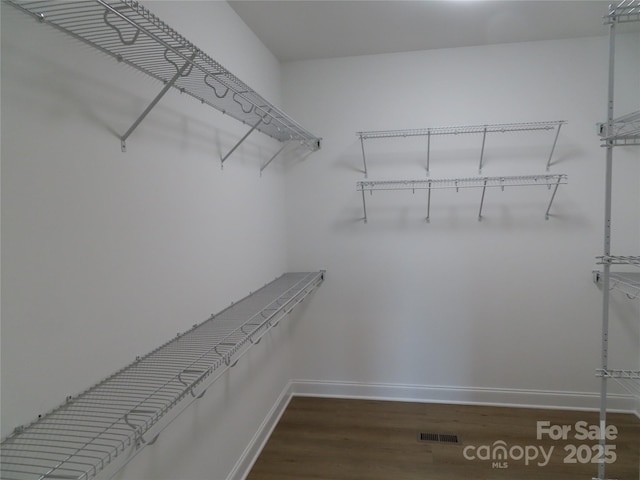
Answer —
131 34
623 130
624 12
105 424
463 130
550 181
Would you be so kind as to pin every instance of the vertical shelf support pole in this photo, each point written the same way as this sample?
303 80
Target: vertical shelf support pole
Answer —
484 137
606 270
240 142
484 189
428 151
168 85
553 147
553 195
364 158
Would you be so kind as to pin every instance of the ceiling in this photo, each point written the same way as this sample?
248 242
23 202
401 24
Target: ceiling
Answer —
311 29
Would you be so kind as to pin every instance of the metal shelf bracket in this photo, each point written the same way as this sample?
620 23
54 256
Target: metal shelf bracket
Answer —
266 164
222 159
154 102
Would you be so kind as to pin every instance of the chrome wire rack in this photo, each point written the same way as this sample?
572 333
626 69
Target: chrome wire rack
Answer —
463 130
622 130
627 379
550 180
623 12
615 132
131 34
619 260
625 282
101 427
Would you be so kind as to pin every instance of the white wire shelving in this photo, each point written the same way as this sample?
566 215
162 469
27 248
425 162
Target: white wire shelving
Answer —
629 380
625 282
96 432
462 130
552 181
131 34
623 12
615 132
622 131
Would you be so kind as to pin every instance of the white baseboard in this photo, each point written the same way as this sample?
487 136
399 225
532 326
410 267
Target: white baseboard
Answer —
463 395
251 453
421 393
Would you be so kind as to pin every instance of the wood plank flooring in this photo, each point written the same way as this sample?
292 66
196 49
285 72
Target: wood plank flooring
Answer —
339 439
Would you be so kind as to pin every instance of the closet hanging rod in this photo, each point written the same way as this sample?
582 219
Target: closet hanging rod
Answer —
104 426
130 33
550 181
624 12
483 129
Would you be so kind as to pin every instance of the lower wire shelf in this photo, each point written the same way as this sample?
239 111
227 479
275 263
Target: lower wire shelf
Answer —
105 425
551 181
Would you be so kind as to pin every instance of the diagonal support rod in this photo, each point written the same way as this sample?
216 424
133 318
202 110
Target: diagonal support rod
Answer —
240 142
484 189
169 84
364 206
272 158
553 147
484 138
429 203
364 158
553 195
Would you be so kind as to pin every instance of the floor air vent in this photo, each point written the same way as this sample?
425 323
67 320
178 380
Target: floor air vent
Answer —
438 437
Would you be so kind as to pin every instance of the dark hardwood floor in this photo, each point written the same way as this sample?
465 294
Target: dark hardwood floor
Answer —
338 439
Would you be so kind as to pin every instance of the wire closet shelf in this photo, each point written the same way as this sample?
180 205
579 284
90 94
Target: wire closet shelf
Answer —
549 180
621 131
103 426
462 130
623 12
615 132
130 33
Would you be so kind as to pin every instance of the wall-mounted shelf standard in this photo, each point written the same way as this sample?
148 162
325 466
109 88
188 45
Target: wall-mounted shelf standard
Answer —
99 430
621 131
550 181
615 132
131 34
463 130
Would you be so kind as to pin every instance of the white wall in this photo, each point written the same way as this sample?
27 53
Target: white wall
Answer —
502 310
106 255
